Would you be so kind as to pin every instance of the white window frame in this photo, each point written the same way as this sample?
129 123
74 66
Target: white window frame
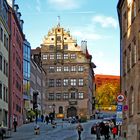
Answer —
73 68
81 82
80 95
73 82
65 82
44 56
66 68
80 68
66 56
73 56
59 69
51 56
58 56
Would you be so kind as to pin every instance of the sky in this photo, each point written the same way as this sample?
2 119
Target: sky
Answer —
95 21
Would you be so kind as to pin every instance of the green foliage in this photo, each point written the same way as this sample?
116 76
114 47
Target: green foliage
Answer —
30 115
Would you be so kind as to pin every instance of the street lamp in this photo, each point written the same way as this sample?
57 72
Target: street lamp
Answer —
53 105
35 106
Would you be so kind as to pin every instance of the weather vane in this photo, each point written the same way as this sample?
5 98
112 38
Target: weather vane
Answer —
58 19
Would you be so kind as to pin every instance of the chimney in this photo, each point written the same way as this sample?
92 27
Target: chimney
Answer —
18 15
21 24
16 8
84 45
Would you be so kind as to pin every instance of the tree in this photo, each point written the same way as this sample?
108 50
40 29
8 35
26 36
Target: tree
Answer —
106 94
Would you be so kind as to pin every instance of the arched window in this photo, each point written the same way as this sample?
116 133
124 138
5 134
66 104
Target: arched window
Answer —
138 99
131 102
61 110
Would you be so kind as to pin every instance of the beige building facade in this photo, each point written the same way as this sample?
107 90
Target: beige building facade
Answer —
129 19
4 46
69 74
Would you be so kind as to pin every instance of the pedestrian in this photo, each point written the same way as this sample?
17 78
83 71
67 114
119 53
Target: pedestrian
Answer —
93 129
79 130
42 118
47 119
15 125
106 131
98 129
114 131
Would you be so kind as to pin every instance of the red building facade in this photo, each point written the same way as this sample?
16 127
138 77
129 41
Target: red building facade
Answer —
15 66
102 79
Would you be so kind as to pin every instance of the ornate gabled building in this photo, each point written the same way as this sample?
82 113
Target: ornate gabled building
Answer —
69 74
129 19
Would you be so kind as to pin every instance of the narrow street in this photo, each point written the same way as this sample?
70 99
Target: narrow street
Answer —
65 131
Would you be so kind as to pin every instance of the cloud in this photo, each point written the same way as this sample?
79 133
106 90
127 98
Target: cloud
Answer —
105 67
64 4
86 35
105 21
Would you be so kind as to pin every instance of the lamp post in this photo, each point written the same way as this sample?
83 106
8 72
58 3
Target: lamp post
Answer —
35 106
53 105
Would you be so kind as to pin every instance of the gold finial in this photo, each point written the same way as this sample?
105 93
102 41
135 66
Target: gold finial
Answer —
58 19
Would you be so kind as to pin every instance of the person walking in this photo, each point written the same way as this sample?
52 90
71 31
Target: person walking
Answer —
47 119
15 125
98 129
114 132
79 130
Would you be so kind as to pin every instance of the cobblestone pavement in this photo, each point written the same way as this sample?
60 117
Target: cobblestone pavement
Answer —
63 131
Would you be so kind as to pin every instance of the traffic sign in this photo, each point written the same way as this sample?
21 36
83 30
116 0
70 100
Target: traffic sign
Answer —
119 108
125 108
119 122
120 98
119 115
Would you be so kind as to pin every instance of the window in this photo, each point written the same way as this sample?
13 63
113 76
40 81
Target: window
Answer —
1 34
139 45
58 47
130 58
134 9
65 82
73 82
58 38
73 56
58 56
66 47
135 53
51 82
73 95
0 62
81 82
58 82
51 96
4 95
51 69
51 56
65 56
66 68
58 69
80 95
80 68
66 96
51 47
73 68
0 90
61 110
58 96
6 69
44 56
